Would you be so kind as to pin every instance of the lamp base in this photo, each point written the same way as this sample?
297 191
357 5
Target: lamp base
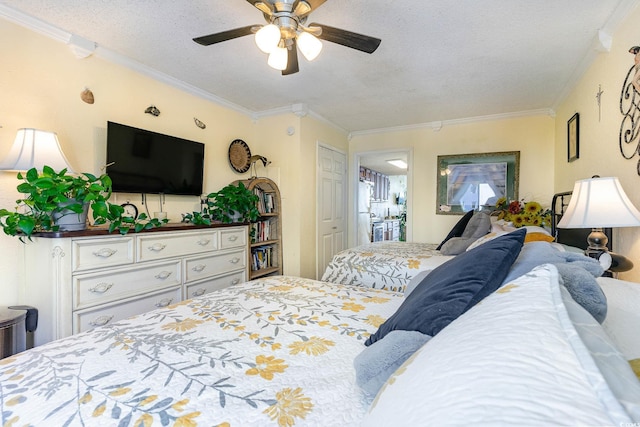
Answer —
597 243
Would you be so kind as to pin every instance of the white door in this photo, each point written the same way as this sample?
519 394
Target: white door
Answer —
332 218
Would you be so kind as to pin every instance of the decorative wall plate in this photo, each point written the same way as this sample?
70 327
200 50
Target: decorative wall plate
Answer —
239 155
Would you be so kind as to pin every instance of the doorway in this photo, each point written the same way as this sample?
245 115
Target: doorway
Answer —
383 209
331 236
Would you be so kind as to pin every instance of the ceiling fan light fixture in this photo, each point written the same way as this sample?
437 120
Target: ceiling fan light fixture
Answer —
267 38
309 45
278 58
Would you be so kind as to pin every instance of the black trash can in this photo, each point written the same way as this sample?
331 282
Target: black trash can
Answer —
13 332
17 324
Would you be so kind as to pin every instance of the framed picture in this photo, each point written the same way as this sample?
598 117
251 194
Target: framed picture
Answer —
476 181
573 138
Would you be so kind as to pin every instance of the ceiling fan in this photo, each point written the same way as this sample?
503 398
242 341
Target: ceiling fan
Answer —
286 32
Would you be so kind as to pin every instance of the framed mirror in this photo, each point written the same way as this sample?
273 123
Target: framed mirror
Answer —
476 181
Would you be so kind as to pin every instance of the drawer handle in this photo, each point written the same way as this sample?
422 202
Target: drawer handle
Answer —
233 238
234 260
198 268
101 321
164 302
204 242
105 252
157 247
101 288
235 281
163 275
198 292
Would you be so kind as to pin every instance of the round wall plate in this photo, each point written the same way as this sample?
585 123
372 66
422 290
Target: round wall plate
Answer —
239 155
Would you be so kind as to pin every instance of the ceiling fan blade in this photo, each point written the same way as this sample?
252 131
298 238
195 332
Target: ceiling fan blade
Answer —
347 38
292 59
265 7
301 9
315 3
224 36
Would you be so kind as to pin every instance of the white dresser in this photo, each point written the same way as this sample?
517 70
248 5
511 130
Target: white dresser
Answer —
82 280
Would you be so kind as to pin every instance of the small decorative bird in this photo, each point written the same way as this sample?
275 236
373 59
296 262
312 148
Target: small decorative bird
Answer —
153 110
253 160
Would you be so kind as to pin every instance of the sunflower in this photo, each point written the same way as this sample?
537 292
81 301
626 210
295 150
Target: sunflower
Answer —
532 207
521 213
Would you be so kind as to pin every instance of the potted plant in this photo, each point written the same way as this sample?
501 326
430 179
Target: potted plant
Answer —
59 201
233 203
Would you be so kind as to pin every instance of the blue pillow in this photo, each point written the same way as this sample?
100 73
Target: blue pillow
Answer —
457 229
454 287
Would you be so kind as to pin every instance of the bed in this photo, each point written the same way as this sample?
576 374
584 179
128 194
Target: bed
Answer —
499 341
391 265
383 265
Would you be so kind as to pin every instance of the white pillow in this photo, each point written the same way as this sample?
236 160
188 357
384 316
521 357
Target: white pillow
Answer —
513 359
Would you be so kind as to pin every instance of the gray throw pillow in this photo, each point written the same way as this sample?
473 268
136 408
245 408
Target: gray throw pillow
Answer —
478 226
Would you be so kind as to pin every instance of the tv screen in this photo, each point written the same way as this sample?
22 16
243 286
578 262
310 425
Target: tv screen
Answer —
142 161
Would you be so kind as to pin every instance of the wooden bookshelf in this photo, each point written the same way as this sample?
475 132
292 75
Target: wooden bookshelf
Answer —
265 242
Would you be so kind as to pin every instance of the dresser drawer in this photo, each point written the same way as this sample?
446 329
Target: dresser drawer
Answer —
214 264
233 238
157 246
100 316
98 253
209 285
106 286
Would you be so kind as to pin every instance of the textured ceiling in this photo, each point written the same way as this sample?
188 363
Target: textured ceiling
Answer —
438 60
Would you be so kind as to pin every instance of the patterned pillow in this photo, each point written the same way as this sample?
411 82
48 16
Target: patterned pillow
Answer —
534 234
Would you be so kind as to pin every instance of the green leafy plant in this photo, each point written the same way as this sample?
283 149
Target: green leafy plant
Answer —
50 194
233 203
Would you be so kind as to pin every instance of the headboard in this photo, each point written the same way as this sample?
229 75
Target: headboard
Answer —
570 236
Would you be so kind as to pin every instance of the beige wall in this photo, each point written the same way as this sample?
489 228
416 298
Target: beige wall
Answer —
533 136
40 83
599 147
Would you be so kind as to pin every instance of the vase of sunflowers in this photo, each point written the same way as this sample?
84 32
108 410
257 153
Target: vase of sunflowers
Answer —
521 213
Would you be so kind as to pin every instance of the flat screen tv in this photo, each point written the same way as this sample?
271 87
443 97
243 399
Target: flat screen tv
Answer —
141 161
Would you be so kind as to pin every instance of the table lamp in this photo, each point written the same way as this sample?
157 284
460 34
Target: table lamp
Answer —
35 148
599 203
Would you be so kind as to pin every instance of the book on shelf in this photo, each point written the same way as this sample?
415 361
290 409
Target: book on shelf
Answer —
262 231
261 257
266 201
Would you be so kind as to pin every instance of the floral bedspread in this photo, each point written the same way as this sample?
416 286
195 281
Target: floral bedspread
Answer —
383 265
272 352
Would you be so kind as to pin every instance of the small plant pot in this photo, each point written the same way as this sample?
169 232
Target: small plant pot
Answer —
68 220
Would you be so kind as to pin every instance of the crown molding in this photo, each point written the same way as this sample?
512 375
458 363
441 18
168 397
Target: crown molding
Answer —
603 40
57 34
437 125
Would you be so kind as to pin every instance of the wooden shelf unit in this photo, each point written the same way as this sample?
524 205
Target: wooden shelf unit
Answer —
265 244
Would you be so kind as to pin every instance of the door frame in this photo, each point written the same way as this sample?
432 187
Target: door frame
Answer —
345 189
354 179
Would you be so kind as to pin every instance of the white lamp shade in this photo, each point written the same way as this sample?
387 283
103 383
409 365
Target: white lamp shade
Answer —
278 58
599 203
267 38
35 148
309 45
